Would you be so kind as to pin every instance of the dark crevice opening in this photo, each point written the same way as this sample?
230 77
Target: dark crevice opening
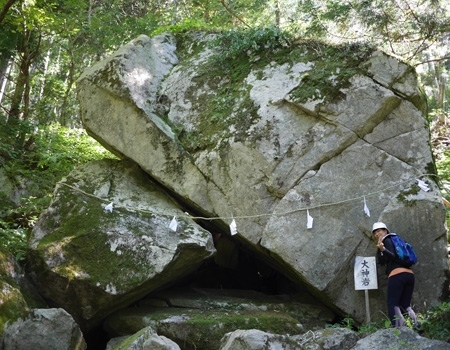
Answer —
235 266
97 338
249 273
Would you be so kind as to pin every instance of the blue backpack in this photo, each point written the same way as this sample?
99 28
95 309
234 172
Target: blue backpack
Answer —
405 251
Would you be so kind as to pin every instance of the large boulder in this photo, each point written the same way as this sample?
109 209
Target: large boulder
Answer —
106 241
276 152
44 329
275 136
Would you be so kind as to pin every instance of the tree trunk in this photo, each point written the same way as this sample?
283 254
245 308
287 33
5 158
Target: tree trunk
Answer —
277 14
70 80
15 110
441 98
174 12
20 100
5 69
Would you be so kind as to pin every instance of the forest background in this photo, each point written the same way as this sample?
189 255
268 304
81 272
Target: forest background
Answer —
46 44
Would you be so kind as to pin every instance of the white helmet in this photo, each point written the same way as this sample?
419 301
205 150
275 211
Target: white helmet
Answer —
378 225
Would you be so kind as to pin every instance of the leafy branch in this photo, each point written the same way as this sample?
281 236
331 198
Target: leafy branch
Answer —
233 14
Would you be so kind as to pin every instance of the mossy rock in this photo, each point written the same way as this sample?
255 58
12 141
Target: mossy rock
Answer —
199 318
202 329
17 295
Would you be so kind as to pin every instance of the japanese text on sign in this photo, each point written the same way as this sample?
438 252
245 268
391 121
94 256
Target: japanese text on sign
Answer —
365 273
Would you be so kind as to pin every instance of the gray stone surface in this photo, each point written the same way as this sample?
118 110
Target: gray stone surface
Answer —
330 339
44 329
94 261
146 339
199 318
402 338
256 340
282 147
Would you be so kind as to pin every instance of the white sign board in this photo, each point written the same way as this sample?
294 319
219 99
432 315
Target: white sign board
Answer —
365 273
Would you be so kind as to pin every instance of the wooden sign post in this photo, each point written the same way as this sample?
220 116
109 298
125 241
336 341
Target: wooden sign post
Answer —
366 278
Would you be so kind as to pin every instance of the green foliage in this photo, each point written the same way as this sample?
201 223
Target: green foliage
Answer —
8 39
436 324
16 220
236 44
13 239
374 326
186 25
401 29
443 168
11 138
60 149
51 153
347 322
238 52
334 66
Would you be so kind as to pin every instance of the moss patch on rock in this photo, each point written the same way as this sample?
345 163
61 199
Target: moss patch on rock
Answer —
221 102
203 329
403 195
81 244
12 305
16 296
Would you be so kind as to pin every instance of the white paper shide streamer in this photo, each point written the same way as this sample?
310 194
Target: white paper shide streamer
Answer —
366 209
233 227
423 185
109 207
173 224
309 223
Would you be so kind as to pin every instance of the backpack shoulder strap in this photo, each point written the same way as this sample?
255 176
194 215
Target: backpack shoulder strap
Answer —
389 234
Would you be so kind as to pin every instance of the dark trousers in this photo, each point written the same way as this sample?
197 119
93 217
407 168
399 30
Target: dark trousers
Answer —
399 293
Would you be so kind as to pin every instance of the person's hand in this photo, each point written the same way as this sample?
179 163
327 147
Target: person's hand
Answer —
380 245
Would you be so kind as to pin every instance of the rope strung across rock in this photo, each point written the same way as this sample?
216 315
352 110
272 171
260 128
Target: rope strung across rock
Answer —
187 216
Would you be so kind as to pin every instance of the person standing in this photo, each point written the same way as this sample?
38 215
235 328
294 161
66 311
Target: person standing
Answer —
400 278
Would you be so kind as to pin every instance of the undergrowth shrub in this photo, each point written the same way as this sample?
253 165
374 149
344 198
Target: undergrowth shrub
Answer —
49 153
436 324
235 44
